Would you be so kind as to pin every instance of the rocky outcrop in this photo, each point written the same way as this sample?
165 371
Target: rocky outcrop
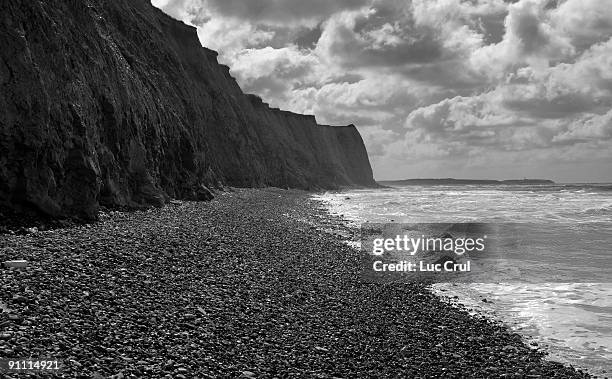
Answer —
112 102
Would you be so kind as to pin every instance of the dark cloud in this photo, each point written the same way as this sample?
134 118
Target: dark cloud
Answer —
305 37
557 108
348 77
492 27
354 54
281 11
309 37
446 74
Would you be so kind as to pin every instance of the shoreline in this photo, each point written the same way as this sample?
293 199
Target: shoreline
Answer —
558 345
548 315
255 283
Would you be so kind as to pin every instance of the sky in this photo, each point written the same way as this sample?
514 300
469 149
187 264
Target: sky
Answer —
437 88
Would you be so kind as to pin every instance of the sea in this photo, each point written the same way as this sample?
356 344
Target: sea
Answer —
569 316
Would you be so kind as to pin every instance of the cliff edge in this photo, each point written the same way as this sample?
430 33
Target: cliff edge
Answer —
115 103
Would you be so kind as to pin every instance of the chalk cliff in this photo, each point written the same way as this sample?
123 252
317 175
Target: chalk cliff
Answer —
112 102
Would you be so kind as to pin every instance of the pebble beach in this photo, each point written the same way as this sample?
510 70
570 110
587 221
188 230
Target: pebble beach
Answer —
255 283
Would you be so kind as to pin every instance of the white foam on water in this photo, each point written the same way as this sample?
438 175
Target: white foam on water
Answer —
573 321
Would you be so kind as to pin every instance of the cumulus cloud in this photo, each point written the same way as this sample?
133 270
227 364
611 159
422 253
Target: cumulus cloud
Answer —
398 36
360 39
273 72
584 22
564 90
529 39
472 122
471 88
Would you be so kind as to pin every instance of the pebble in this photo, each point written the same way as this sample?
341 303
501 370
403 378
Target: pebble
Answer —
20 299
247 280
15 263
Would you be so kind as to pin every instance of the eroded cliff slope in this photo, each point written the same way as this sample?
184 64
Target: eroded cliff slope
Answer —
112 102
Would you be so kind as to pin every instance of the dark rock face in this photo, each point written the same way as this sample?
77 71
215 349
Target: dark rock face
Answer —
112 102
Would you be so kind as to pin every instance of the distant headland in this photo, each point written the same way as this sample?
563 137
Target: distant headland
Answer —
452 181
